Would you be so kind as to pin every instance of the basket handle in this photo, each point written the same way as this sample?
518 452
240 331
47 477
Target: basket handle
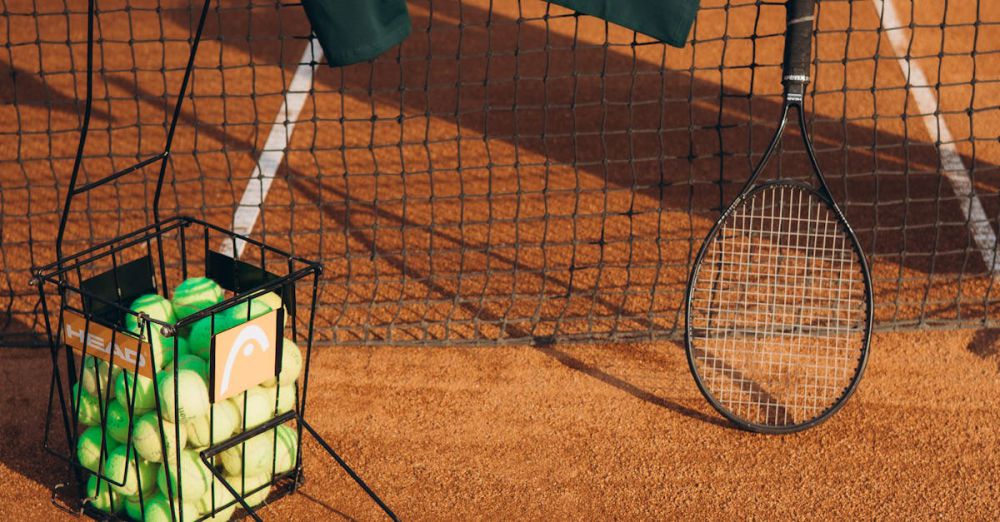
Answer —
160 157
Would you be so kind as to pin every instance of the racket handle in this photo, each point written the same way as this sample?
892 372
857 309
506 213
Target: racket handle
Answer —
798 47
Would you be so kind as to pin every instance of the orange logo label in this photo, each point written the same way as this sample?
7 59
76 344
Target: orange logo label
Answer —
115 347
244 356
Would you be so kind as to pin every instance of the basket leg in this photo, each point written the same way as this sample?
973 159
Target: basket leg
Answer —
346 468
207 455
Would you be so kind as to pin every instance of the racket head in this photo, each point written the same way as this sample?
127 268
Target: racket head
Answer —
779 310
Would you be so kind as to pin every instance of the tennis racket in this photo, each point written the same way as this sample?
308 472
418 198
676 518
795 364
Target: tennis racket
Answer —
779 303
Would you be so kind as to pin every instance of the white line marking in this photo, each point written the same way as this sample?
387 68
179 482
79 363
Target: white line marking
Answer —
951 162
248 211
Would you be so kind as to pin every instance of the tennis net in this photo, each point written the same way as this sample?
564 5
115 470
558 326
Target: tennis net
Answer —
513 172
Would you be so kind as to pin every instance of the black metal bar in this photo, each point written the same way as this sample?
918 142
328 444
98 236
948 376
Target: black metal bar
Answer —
245 296
248 434
346 468
111 177
84 129
55 268
177 108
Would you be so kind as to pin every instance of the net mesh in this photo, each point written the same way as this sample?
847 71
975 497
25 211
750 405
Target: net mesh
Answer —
512 172
778 310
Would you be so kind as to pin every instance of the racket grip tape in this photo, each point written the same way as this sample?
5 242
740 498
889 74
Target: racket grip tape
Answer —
798 45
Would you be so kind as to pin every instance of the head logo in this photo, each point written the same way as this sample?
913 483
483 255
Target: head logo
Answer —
94 339
248 339
244 356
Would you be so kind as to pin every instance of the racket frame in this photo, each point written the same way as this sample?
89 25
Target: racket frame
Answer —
795 77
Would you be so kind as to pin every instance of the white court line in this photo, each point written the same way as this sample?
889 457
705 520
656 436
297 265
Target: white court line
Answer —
951 163
248 211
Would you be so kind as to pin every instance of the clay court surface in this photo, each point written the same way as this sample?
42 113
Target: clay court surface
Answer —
492 236
601 432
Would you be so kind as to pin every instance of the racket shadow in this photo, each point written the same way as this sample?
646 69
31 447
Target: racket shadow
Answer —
573 363
311 189
773 409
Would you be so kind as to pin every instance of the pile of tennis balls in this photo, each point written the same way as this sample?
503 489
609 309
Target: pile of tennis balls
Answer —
192 424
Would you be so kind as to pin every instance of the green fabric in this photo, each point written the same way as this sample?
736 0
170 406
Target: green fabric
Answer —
352 31
666 20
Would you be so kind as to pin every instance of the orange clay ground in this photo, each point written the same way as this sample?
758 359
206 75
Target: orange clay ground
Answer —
600 431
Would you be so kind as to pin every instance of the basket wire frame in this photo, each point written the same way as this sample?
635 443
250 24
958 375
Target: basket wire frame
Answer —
129 258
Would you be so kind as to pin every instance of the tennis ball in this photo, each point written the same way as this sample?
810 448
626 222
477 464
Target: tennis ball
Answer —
291 364
190 362
246 484
182 346
215 498
95 375
195 294
286 450
273 301
88 447
283 395
200 338
143 391
158 510
158 308
147 441
117 421
254 407
133 507
85 406
192 474
251 457
215 426
102 497
155 306
130 471
192 396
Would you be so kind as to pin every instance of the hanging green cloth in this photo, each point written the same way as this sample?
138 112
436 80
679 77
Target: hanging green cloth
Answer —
666 20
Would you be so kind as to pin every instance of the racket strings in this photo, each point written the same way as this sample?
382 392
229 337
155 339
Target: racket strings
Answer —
778 310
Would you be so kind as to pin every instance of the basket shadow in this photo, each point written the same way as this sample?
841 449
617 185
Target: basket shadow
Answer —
325 506
16 333
24 386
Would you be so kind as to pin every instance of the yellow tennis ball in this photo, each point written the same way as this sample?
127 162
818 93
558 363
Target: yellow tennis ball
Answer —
117 421
284 396
291 364
133 507
159 308
200 338
149 444
195 294
85 406
245 486
191 396
189 480
213 427
254 407
273 301
219 500
88 447
101 496
251 457
155 306
130 471
286 450
95 379
157 509
142 388
190 362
